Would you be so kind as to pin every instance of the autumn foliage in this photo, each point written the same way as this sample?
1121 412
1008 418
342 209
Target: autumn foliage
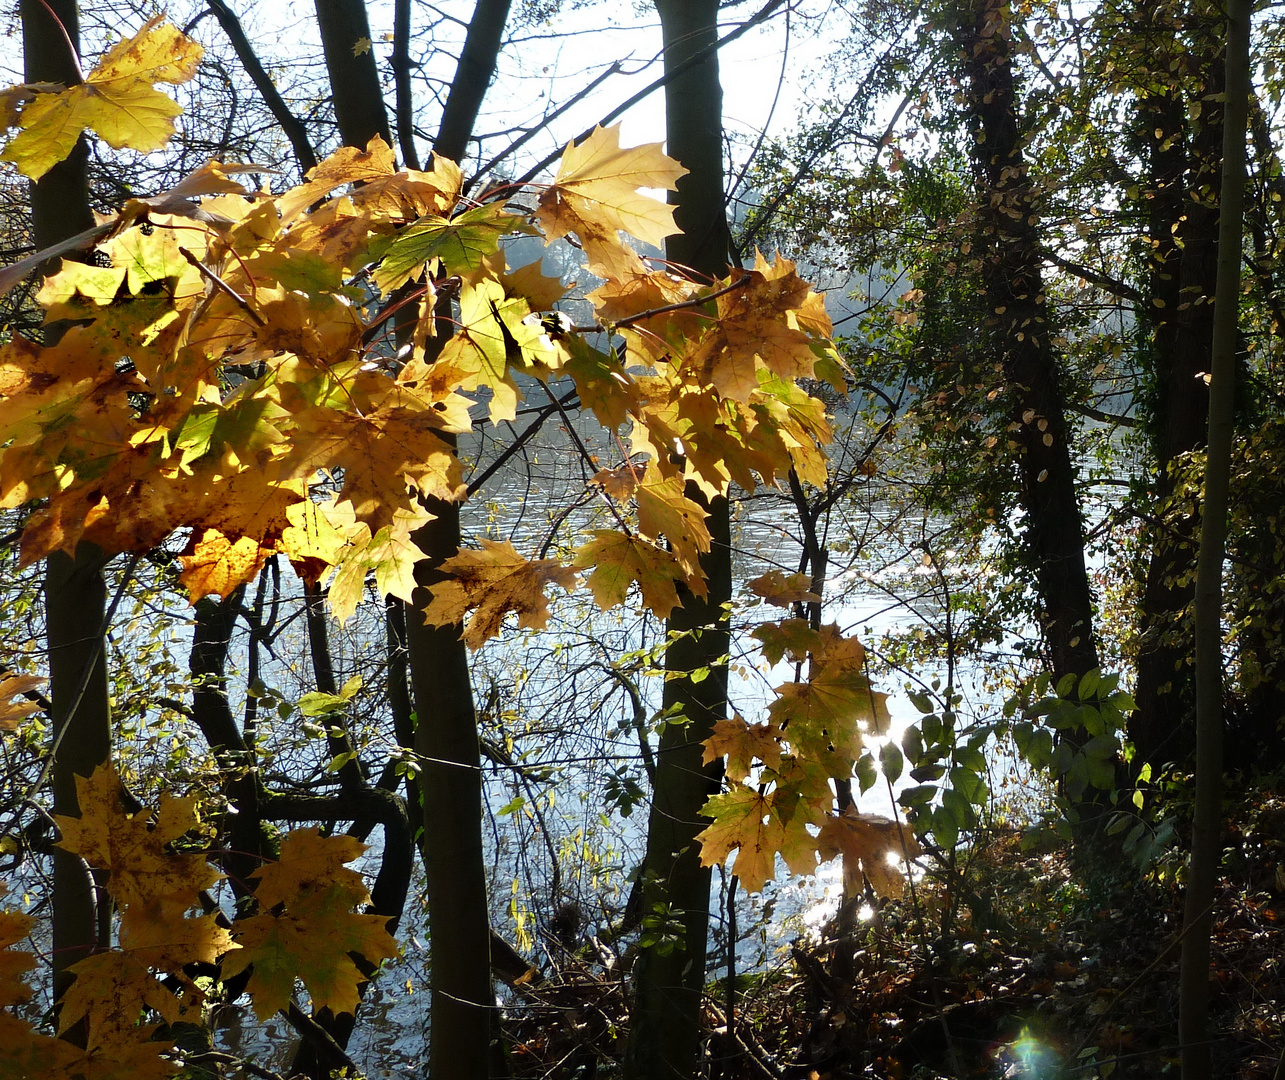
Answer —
287 374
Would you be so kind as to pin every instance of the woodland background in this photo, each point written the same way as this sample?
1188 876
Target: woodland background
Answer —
1017 212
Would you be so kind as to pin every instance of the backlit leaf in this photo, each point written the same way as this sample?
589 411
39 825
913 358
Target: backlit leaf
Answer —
491 583
117 101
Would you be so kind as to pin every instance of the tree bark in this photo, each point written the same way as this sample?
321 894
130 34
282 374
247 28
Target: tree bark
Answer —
463 1020
75 592
354 79
664 1036
472 77
1193 1018
1183 227
1018 326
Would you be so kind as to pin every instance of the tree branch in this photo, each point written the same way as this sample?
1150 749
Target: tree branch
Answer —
290 124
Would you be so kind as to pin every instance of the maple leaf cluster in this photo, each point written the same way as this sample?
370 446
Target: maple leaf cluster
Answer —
305 928
779 800
229 373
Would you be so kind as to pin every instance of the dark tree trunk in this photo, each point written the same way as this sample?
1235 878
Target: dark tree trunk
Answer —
463 1022
1019 334
1018 328
664 1037
1206 846
1184 234
472 77
75 593
354 79
446 742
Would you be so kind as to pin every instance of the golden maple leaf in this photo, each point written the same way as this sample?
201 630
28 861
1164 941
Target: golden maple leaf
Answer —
117 101
307 896
865 842
618 560
757 826
14 926
133 848
743 744
596 195
757 324
619 482
744 822
665 510
494 581
782 589
214 563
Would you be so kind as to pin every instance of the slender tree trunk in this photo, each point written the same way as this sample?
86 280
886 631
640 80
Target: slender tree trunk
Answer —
1019 332
75 593
472 77
1207 816
1183 213
446 743
664 1036
1019 329
463 1022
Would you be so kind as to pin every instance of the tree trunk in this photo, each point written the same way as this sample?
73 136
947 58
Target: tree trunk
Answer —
664 1036
463 1020
75 593
1207 816
472 77
354 79
1020 334
1184 232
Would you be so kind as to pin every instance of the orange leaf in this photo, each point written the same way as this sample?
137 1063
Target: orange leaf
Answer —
494 581
865 843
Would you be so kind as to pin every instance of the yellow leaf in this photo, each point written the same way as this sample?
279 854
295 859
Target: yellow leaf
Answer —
117 100
758 323
14 926
361 46
11 711
744 822
309 895
596 195
217 564
619 483
619 560
865 843
664 510
781 589
494 581
742 744
131 847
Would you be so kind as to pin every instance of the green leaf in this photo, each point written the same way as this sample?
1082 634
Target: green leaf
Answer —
921 702
460 244
865 773
891 760
512 806
918 796
317 703
970 786
945 828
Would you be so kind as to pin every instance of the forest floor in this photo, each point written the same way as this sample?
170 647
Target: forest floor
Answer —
1053 975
